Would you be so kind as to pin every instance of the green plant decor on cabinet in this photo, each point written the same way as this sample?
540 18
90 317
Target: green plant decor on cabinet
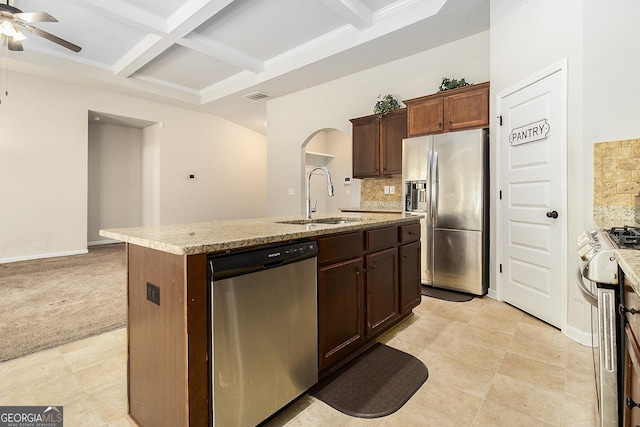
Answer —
452 84
385 105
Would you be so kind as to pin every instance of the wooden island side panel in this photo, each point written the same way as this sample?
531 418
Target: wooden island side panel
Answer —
167 364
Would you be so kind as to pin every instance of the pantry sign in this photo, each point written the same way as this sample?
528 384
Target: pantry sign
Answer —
529 133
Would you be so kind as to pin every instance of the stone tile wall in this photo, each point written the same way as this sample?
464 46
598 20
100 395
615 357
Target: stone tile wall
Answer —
616 181
372 193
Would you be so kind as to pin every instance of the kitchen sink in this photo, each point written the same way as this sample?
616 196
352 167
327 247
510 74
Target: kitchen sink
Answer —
322 221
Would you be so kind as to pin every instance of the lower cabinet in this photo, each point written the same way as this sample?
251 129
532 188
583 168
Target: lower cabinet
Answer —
367 282
631 395
382 289
340 310
409 283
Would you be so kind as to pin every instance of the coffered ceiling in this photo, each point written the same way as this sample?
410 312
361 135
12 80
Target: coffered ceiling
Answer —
214 55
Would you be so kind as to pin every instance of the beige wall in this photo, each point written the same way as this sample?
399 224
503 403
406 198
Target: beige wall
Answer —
293 118
44 165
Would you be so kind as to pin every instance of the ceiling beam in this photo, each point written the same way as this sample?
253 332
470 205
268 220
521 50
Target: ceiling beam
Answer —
186 19
355 12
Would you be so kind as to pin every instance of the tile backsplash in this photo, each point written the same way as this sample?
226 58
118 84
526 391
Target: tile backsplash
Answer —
616 181
372 193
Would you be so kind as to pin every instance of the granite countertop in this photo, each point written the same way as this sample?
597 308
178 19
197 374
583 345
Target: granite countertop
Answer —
629 260
217 236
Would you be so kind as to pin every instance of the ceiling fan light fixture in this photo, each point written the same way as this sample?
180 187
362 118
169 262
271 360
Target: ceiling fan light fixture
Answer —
19 36
7 29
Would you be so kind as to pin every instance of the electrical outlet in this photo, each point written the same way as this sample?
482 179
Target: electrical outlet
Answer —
392 189
386 189
153 293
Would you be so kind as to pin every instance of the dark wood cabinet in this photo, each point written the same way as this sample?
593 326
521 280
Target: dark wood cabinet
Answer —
361 278
453 110
382 289
377 144
467 109
393 130
340 310
425 117
631 358
409 277
366 147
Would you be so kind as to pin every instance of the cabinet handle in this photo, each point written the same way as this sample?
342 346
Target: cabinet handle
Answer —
623 310
360 271
373 267
450 122
412 233
631 404
439 124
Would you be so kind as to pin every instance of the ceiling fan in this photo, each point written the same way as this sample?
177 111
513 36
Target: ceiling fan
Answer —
13 19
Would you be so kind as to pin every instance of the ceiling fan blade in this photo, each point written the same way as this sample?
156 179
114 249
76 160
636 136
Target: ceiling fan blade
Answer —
35 17
13 45
51 37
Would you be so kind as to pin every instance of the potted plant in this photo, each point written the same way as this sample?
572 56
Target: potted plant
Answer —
452 84
385 105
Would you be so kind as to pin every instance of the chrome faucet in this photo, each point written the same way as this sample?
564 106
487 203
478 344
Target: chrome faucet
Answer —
308 188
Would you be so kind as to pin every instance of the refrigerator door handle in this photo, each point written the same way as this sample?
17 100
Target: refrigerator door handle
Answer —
429 188
434 188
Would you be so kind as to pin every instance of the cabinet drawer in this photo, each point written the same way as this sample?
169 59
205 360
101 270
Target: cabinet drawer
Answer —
380 238
339 248
409 233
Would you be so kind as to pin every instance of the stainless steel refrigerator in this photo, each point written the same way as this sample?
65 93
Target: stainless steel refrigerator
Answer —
445 178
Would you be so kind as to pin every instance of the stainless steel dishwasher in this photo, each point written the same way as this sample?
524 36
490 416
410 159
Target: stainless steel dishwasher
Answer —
264 331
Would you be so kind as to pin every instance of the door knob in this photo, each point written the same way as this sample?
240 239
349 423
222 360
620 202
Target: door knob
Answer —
552 214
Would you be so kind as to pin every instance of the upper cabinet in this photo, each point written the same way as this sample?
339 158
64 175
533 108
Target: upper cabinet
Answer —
453 110
377 144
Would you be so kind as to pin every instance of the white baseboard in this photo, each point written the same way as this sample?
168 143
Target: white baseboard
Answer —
40 256
582 337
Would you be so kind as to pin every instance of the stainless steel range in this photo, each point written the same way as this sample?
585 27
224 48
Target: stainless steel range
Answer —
599 278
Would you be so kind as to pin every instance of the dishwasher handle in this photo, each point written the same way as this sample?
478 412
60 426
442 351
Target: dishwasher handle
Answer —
223 266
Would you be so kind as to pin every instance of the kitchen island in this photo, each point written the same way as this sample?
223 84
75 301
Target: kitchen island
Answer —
169 329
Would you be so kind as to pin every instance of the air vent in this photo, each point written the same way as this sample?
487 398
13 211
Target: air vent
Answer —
255 96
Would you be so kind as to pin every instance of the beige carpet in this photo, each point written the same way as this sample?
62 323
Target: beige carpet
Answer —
53 301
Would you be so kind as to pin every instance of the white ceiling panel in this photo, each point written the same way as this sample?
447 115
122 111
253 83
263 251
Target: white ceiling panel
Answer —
163 9
206 54
102 39
184 67
267 28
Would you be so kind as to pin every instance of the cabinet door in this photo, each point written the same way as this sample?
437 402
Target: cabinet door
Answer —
340 310
382 289
631 379
467 110
425 117
366 147
393 131
409 278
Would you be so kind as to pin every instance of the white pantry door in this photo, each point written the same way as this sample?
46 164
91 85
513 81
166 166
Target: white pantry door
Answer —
532 182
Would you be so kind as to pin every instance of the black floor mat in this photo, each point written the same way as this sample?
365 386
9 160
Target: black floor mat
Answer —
445 294
375 384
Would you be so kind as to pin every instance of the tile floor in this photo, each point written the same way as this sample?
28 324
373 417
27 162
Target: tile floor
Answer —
489 365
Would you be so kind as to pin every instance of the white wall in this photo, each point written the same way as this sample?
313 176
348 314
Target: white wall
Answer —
44 163
293 118
599 40
338 145
115 179
527 37
612 88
